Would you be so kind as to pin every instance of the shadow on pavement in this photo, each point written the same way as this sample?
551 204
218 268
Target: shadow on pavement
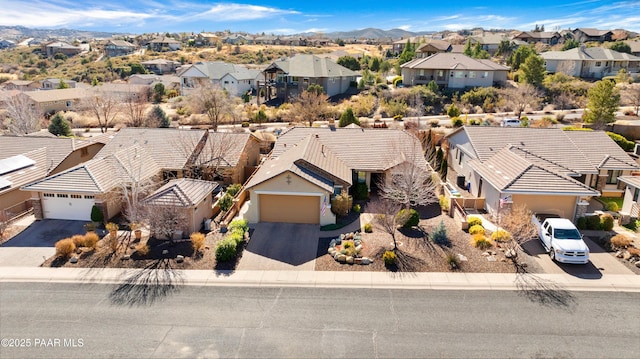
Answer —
542 291
584 271
289 243
146 286
45 233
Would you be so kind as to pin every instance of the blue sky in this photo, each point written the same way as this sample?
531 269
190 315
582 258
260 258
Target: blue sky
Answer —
290 17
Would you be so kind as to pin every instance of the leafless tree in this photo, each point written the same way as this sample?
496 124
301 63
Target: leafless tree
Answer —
104 106
135 108
631 95
521 97
564 100
212 101
137 181
385 216
517 221
22 115
208 155
164 220
310 106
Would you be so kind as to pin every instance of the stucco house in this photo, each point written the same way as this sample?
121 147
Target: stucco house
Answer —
548 170
310 165
60 47
291 76
236 79
114 48
434 46
590 62
24 159
542 37
583 34
488 42
51 83
453 70
164 43
21 85
160 66
55 100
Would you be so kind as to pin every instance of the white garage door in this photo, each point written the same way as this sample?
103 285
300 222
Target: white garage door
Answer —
67 206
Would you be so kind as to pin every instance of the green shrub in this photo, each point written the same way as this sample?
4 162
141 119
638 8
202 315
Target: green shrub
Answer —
59 126
234 189
452 260
474 221
368 228
225 202
633 225
408 218
241 224
245 124
593 222
457 122
347 244
622 141
606 222
439 234
389 258
65 247
444 202
360 191
96 214
501 236
226 250
480 241
476 229
237 236
453 111
356 208
612 206
582 223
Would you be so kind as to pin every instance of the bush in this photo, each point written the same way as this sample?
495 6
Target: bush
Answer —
59 126
452 260
91 240
368 228
633 225
612 207
225 202
197 241
389 258
360 191
582 223
112 227
341 204
237 236
457 122
241 224
453 111
635 252
142 249
593 222
480 241
78 240
622 141
501 236
444 202
65 247
474 221
620 241
226 250
234 189
408 218
96 214
356 208
439 234
476 229
245 124
606 222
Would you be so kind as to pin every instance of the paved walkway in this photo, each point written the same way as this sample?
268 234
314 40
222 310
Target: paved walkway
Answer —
279 278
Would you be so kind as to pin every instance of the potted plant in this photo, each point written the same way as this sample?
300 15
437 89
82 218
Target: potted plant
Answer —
113 229
89 227
135 227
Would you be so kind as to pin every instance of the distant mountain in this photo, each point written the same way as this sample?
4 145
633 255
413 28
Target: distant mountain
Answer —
372 33
21 32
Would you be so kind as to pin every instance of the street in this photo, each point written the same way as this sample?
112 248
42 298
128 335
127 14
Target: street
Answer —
94 320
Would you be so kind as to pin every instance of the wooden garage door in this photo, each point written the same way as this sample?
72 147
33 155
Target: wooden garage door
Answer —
289 209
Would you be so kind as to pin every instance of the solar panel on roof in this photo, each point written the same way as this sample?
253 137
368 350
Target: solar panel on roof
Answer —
15 163
5 183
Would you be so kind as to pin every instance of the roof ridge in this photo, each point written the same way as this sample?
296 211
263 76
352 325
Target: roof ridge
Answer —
542 158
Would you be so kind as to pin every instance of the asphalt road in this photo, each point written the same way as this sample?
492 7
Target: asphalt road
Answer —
98 321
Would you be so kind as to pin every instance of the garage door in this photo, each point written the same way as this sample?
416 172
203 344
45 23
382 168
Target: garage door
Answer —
67 206
289 209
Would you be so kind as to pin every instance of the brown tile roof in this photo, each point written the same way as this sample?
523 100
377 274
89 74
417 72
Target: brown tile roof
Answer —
181 192
631 180
450 60
304 65
57 95
101 175
606 154
28 174
511 173
227 147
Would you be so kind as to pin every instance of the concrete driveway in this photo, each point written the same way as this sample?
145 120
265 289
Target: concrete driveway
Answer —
37 242
600 262
281 246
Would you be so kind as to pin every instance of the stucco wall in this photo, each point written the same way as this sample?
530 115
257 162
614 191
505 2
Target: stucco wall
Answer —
564 206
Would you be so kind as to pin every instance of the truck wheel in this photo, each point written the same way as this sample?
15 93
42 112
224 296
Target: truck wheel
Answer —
552 254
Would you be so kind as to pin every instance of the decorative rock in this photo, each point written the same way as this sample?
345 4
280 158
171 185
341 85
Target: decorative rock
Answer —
349 260
357 260
341 238
126 257
638 264
336 255
626 255
491 259
342 258
331 251
619 254
339 241
462 258
179 258
73 259
509 254
357 242
332 243
493 253
359 248
486 254
366 260
165 251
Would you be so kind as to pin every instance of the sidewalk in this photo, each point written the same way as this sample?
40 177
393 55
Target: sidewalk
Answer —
377 280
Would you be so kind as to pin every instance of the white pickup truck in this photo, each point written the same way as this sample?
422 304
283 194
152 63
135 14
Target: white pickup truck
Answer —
561 239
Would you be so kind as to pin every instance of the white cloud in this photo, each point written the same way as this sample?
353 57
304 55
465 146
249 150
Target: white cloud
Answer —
241 12
404 27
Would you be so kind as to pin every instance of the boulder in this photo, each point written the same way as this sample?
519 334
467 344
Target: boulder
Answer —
491 259
619 254
342 258
179 258
462 258
331 250
126 257
349 260
486 254
358 248
341 238
510 254
73 259
626 255
336 255
332 243
638 264
366 260
165 251
357 260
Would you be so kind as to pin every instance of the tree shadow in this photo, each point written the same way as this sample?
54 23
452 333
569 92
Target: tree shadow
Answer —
542 291
148 285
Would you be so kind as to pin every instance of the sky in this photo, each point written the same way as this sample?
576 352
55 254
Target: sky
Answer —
293 17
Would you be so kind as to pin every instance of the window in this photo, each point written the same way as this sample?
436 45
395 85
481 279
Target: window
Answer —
89 197
598 63
461 158
76 196
62 195
337 190
440 73
48 195
472 74
612 176
485 75
636 193
459 74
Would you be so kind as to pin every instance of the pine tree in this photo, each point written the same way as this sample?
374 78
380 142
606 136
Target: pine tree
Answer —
348 118
604 100
59 126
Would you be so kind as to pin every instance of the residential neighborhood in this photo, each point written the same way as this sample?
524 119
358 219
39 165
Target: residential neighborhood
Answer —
369 164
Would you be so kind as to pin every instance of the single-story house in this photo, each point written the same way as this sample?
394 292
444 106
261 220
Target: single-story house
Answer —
114 48
194 198
548 170
590 62
543 37
453 70
236 79
160 66
169 81
21 85
55 100
308 166
56 47
6 44
291 76
24 159
206 39
488 42
583 34
51 84
164 43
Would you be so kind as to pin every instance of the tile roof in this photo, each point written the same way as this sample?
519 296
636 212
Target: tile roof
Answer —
589 53
606 155
304 65
592 32
183 192
631 180
359 148
218 69
101 175
57 94
450 61
510 173
121 43
22 176
224 146
57 148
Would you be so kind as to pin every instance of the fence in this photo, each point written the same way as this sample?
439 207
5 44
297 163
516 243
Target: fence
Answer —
17 211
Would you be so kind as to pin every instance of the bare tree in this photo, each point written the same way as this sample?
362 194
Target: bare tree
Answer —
564 100
517 221
385 216
135 108
310 106
208 154
521 97
212 101
164 220
22 115
631 95
104 106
